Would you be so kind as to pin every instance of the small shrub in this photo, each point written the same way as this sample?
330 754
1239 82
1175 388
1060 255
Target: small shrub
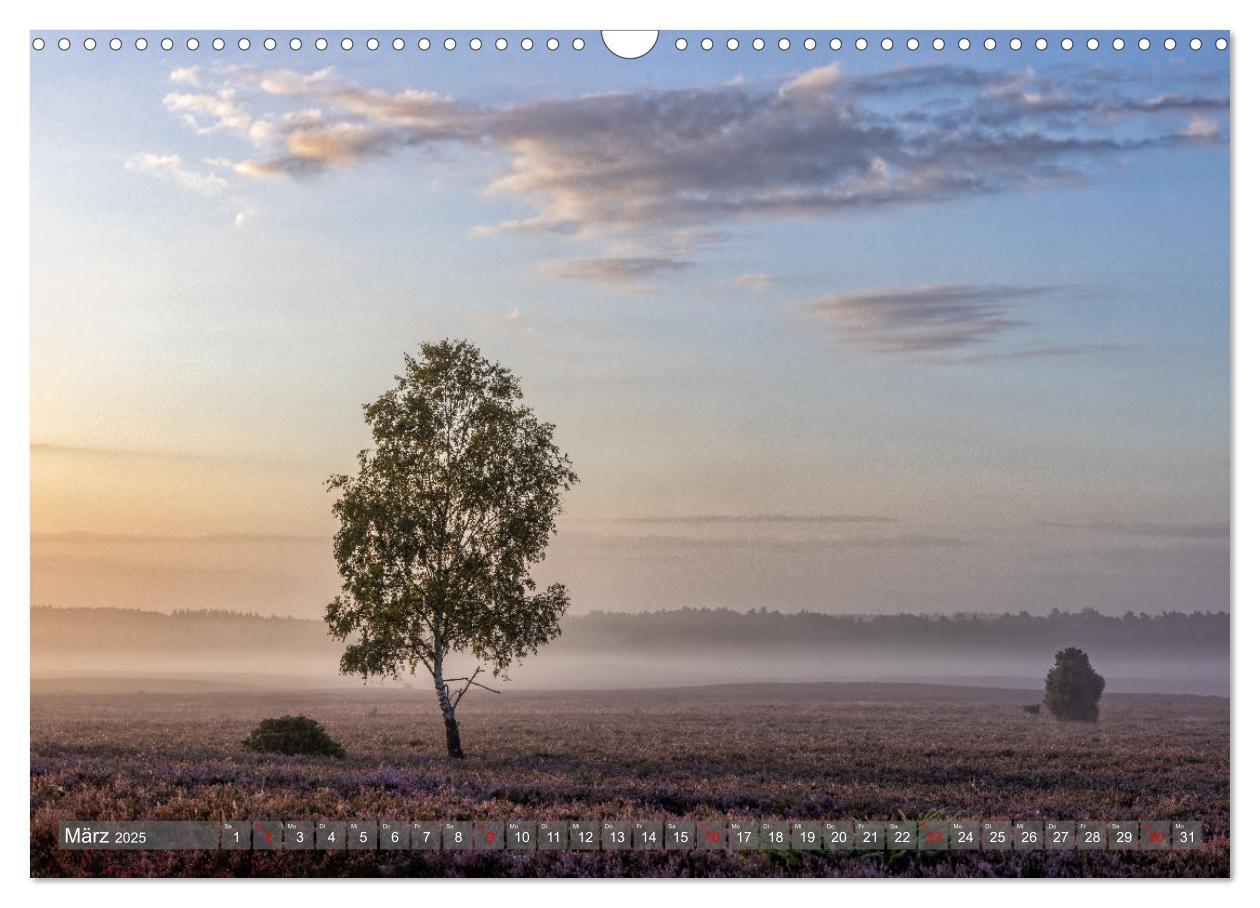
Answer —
1033 709
1073 688
292 735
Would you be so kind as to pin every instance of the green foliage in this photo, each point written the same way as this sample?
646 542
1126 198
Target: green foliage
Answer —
439 528
1033 709
292 735
1073 688
444 519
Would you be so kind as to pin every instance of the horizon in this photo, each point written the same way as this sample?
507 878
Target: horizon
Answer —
1172 653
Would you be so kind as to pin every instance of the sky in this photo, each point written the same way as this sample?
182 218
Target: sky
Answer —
842 330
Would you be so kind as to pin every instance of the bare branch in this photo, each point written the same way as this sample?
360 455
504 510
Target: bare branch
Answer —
470 682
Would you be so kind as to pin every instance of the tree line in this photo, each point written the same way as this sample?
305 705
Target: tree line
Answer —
687 628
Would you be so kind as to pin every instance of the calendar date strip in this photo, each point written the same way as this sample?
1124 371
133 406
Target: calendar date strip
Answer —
625 835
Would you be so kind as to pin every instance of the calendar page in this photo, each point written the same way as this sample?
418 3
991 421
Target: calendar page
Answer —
796 453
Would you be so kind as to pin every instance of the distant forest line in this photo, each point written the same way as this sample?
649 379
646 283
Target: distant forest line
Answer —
1170 652
55 628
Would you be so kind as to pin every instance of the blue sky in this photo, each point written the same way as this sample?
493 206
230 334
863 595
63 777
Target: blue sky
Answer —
844 330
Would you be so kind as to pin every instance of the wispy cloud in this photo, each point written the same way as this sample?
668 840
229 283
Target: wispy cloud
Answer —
1049 351
786 519
817 81
1201 127
109 452
171 168
220 111
929 319
88 538
1146 530
758 281
666 545
626 271
186 75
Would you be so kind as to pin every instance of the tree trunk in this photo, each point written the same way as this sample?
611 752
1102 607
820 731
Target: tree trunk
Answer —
453 748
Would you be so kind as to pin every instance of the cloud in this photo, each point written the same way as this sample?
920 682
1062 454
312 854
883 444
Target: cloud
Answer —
785 519
678 545
813 81
758 281
930 319
170 167
934 77
1142 530
647 164
187 75
107 452
621 270
1049 351
1016 97
87 537
338 145
242 210
1201 127
218 112
519 322
285 81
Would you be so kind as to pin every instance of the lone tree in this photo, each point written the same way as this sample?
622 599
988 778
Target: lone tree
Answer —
439 528
1073 688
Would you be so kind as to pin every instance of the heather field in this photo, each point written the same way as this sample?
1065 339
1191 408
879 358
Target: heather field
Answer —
801 751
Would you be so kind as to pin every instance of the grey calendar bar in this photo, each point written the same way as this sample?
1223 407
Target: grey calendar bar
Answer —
671 834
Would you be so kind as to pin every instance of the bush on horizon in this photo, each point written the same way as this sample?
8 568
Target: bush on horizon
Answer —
292 735
1073 688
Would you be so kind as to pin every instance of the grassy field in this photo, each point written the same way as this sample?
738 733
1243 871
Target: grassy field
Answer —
737 752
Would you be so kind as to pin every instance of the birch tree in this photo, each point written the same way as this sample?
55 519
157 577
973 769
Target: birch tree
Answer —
450 508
